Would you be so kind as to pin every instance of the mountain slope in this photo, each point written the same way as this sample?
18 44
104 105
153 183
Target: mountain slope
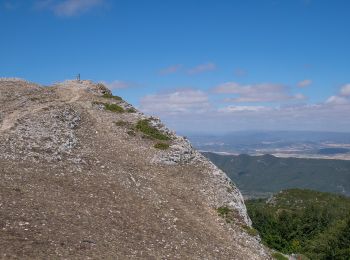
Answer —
266 174
80 177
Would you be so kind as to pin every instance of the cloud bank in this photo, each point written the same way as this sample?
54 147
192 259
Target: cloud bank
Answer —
343 97
194 110
176 102
265 92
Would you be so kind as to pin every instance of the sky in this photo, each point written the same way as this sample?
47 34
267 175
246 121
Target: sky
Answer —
209 66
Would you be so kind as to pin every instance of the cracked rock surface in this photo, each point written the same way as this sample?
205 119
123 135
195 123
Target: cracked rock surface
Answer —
78 181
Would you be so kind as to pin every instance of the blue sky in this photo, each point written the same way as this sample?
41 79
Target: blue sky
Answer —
202 66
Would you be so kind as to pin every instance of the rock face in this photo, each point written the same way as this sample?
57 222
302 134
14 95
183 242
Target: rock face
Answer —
78 179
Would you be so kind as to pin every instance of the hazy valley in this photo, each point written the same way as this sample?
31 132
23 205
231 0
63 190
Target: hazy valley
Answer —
298 144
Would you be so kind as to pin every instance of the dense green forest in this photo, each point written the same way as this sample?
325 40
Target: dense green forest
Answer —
261 176
315 224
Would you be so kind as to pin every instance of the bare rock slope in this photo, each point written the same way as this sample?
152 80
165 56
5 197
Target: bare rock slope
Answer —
83 175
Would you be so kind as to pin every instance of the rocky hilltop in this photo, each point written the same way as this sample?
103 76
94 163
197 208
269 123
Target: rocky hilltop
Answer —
84 175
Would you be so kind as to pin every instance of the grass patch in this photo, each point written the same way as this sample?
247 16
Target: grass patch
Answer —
150 131
279 256
161 146
223 211
114 108
251 231
226 213
110 107
112 96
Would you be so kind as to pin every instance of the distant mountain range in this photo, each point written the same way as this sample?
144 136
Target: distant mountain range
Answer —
333 151
260 176
300 144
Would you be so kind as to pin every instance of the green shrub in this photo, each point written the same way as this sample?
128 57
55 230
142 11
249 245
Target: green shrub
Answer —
131 110
112 96
150 131
279 256
114 108
161 146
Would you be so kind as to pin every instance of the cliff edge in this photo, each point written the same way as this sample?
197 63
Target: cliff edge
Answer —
83 174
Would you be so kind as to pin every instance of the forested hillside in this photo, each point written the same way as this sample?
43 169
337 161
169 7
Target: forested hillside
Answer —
311 223
260 176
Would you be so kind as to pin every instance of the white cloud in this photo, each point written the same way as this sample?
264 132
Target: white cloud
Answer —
345 90
202 68
266 92
336 100
69 7
304 83
170 70
117 84
342 98
179 101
